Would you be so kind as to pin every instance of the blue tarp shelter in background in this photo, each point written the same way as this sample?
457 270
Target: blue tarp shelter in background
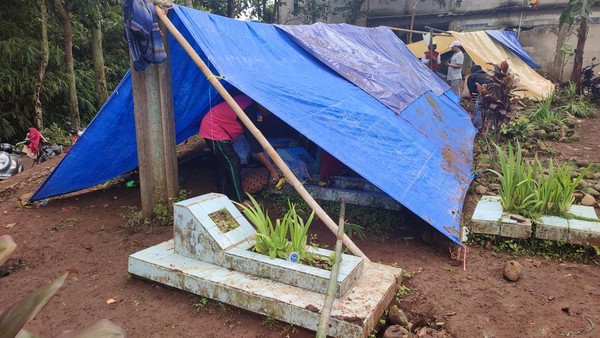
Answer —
510 40
396 125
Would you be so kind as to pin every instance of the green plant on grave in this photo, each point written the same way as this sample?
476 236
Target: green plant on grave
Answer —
579 107
516 181
565 94
15 317
520 129
544 114
298 229
554 189
258 216
530 189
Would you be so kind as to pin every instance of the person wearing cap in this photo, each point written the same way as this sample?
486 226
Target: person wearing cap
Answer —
429 61
455 67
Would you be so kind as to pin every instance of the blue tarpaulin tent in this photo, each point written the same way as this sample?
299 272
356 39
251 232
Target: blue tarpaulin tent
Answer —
510 40
358 93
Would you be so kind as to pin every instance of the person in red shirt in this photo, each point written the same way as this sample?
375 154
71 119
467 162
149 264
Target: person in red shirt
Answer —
432 62
221 127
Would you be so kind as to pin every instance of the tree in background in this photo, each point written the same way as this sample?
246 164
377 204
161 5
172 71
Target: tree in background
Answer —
69 62
44 51
578 10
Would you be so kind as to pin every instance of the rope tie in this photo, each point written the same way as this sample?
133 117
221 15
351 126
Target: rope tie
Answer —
213 76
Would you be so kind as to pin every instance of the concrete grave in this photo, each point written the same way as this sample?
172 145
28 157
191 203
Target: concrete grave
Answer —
210 256
489 218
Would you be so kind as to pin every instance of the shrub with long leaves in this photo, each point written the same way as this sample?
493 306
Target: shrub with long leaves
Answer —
532 190
298 230
260 218
289 233
554 190
517 180
544 114
580 108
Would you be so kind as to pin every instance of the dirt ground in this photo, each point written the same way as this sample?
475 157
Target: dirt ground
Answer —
88 231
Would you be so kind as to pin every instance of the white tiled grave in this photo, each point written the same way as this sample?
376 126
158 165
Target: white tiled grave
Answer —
488 218
203 260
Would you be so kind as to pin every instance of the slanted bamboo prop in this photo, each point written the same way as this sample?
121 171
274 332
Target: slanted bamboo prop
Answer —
291 178
335 270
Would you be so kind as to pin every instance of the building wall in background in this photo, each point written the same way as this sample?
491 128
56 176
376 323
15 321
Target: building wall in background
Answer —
539 25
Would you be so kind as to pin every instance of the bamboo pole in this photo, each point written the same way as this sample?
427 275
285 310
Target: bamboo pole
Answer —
404 30
289 175
335 270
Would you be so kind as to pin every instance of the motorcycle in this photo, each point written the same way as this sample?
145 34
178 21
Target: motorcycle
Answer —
10 161
589 83
47 151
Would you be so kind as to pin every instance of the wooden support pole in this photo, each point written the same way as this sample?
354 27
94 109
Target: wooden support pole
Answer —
404 30
155 134
289 175
335 270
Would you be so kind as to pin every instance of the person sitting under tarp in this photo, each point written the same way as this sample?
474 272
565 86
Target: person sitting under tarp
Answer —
221 128
478 75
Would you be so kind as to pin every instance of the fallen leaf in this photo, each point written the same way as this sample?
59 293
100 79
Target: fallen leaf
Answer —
111 301
9 225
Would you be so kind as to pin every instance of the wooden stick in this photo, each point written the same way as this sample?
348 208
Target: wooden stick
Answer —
289 175
404 30
335 270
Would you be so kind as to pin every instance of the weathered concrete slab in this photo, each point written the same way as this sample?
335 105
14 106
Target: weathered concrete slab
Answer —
351 196
511 228
487 215
197 236
583 211
488 218
552 228
584 232
354 315
300 275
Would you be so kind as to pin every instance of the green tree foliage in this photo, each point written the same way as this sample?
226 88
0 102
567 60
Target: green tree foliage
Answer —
20 51
578 10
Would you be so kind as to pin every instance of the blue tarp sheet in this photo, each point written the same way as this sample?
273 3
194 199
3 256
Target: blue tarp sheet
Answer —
422 158
374 59
510 40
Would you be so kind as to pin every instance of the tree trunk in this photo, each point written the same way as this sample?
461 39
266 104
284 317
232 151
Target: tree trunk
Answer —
413 13
578 62
68 45
559 55
412 22
98 59
37 89
230 8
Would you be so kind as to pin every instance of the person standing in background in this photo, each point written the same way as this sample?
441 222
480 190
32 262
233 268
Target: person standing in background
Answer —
455 68
432 58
